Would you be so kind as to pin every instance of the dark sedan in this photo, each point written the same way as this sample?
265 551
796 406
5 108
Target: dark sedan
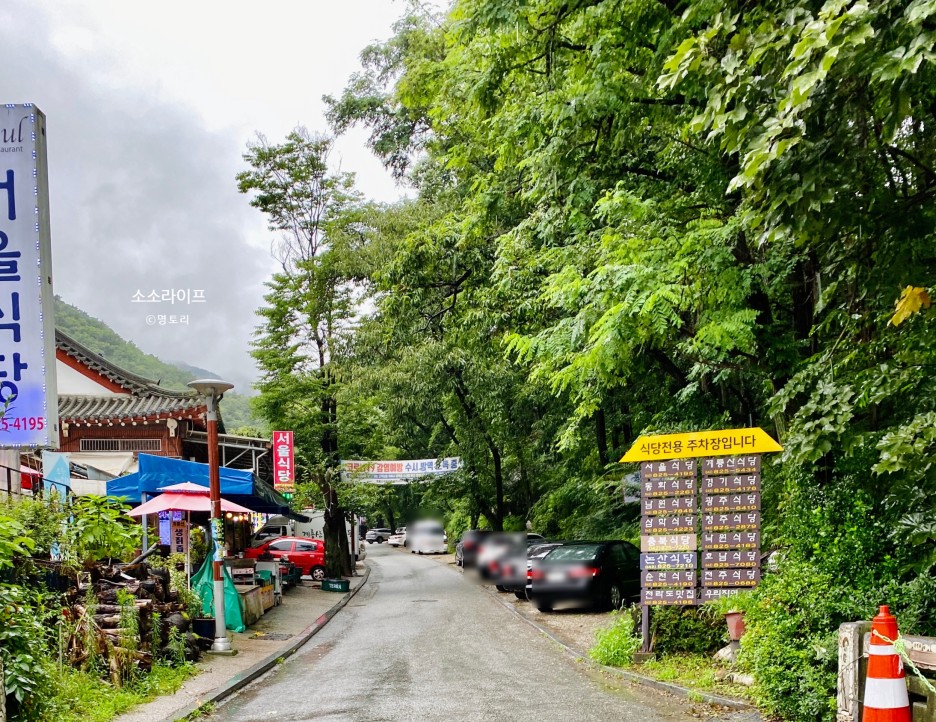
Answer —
602 574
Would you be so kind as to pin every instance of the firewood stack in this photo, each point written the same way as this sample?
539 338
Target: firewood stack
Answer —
121 636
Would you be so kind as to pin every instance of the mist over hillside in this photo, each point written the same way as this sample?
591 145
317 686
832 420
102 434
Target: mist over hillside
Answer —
102 339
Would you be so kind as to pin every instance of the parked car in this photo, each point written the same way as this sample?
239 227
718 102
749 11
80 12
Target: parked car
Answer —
502 558
466 550
535 552
602 574
398 539
427 537
378 536
307 554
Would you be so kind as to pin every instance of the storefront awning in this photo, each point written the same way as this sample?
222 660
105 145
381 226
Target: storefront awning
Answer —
113 463
238 485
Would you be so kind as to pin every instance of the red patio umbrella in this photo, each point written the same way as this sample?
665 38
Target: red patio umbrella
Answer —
183 497
187 497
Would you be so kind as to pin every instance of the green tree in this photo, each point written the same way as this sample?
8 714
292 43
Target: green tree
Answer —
309 308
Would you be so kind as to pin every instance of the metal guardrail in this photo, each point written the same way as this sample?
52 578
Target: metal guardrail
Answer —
853 669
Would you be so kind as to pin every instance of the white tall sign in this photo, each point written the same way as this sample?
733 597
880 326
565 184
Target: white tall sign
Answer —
28 398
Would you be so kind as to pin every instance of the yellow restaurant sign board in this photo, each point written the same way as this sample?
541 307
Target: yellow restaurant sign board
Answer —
695 444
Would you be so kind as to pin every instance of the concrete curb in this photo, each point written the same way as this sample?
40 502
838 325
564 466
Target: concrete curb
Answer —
673 689
242 679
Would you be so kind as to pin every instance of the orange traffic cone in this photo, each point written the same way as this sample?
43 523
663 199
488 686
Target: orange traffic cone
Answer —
885 697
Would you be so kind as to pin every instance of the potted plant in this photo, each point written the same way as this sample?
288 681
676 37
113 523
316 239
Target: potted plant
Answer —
732 607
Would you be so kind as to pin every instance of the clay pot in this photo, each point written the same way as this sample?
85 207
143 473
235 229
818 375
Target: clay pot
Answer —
735 625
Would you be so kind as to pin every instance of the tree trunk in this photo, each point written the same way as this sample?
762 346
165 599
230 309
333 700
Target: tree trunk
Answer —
601 436
337 561
337 558
461 393
498 522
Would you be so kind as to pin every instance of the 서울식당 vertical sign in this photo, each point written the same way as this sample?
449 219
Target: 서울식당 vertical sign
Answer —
28 398
284 464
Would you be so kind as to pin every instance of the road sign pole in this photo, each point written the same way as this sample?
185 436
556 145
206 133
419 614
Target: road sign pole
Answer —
645 627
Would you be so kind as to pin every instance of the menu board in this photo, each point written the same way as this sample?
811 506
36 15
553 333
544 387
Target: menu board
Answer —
700 523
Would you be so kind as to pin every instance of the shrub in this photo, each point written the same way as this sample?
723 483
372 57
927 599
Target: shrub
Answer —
24 650
615 645
691 630
100 529
41 520
790 643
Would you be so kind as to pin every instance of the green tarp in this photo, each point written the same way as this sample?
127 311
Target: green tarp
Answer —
203 585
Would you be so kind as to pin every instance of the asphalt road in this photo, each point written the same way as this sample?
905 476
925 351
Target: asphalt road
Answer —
420 642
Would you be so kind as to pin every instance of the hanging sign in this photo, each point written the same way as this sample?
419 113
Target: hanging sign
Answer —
678 578
731 502
669 543
668 560
680 597
731 540
730 577
668 524
669 505
726 522
735 484
668 487
178 533
284 465
28 398
732 558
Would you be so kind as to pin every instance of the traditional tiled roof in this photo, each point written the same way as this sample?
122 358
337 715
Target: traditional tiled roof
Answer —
145 399
127 407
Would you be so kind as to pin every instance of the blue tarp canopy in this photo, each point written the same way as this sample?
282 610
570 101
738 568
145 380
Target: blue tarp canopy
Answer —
237 485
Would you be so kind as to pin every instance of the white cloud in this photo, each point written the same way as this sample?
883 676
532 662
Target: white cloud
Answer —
149 108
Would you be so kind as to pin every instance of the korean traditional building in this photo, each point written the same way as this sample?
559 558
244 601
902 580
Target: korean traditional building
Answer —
109 415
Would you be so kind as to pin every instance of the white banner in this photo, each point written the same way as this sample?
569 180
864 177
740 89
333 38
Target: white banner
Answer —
398 472
28 398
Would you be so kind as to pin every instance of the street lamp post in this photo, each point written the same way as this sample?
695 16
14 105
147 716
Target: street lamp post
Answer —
213 390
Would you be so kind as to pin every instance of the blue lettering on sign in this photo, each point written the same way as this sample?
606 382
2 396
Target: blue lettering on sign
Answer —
17 367
11 199
9 265
15 314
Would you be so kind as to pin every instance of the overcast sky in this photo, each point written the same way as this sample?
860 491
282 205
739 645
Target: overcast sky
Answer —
149 109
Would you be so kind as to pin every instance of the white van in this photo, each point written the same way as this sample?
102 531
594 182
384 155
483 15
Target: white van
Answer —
427 537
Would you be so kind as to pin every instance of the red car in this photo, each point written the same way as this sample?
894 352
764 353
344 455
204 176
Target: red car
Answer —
307 554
